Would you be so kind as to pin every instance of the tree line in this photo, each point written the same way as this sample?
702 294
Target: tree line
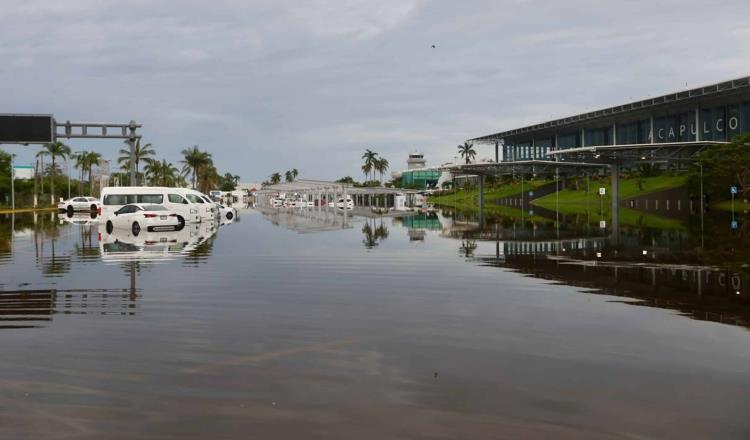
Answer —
197 170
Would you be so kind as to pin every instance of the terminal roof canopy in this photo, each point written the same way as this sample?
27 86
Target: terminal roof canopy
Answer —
699 94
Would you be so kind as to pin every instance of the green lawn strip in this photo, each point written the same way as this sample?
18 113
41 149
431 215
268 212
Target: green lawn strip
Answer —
499 210
739 205
628 188
468 198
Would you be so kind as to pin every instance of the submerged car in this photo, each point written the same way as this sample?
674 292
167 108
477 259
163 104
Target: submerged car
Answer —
78 204
137 217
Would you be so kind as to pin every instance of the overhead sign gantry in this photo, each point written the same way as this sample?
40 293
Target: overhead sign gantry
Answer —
28 129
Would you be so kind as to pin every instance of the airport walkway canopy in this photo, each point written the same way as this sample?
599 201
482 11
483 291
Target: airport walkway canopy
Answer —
311 186
523 167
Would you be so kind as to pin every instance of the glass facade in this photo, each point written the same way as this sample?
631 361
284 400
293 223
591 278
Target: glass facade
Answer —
719 123
597 136
569 140
420 178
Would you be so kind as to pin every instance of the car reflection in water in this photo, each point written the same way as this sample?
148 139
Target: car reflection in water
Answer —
79 218
122 245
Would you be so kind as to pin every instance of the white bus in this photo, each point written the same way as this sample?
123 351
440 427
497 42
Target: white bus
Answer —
115 197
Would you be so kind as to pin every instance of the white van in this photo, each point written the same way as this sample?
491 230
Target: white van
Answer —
115 197
206 208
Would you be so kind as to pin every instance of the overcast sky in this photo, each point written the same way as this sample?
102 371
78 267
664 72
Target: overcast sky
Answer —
271 85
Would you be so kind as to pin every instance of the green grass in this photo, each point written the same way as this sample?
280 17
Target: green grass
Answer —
572 200
469 199
739 205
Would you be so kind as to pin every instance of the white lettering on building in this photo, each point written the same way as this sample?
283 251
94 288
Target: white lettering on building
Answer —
734 123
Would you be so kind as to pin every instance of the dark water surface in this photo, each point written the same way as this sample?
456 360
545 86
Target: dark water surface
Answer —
286 326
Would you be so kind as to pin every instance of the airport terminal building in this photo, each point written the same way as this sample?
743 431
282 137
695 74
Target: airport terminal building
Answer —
699 116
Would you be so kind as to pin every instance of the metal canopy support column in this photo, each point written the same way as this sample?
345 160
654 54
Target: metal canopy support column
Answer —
481 201
615 168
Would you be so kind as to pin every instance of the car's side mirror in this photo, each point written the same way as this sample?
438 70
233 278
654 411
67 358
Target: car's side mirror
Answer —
117 213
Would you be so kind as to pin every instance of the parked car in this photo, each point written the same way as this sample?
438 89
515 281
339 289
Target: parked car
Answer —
137 217
78 204
115 197
206 207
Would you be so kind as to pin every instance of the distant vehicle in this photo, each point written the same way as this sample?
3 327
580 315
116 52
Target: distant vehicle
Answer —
137 217
215 195
115 197
78 204
341 203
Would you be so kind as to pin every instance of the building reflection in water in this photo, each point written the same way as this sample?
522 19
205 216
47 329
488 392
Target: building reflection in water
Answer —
664 268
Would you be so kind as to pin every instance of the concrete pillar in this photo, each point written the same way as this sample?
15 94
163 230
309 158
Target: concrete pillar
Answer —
497 153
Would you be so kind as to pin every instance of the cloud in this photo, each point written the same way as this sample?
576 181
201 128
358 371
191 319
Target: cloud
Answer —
270 85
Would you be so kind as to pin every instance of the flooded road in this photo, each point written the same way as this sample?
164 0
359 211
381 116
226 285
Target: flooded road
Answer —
296 324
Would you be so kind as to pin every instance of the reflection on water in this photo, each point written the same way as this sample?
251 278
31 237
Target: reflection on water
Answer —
33 308
664 268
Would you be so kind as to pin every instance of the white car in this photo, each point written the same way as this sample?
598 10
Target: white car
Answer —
115 197
77 204
206 208
137 217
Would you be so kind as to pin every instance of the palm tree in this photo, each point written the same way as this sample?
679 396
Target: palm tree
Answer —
370 157
275 178
208 177
89 160
81 165
142 153
40 163
381 166
54 150
289 176
195 160
467 152
161 173
295 173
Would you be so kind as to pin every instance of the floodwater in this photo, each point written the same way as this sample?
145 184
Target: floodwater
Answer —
306 324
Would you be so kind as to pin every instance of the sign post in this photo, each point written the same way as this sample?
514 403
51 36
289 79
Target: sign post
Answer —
733 191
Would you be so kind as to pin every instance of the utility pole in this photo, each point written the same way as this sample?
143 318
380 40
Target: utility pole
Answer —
132 140
67 163
12 187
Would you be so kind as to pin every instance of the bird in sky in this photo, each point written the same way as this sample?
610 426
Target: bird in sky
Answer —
433 46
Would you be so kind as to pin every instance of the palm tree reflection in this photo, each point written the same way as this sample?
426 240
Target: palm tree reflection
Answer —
374 234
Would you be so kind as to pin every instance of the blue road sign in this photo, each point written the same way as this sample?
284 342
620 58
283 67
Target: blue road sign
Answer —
734 224
733 190
531 193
